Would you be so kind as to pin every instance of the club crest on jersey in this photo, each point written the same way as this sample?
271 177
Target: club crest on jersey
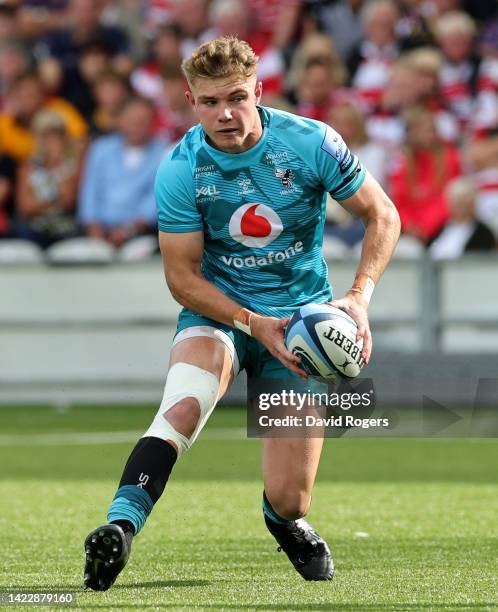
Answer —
285 176
255 225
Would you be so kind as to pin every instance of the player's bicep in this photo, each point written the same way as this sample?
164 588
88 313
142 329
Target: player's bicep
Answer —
369 201
182 255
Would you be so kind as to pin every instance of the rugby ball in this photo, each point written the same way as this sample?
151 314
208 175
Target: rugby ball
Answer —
324 337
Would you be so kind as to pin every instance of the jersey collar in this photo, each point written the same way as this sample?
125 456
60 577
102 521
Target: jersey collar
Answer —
236 160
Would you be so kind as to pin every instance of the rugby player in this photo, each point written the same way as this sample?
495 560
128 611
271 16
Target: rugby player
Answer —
241 208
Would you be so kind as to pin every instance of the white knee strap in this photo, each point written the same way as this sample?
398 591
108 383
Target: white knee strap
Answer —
184 380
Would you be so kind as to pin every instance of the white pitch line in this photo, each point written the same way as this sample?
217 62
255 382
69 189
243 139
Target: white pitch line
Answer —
106 437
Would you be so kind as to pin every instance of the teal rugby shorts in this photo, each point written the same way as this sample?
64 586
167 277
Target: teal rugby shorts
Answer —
247 353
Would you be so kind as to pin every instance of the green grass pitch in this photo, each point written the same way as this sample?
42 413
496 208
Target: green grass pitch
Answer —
412 524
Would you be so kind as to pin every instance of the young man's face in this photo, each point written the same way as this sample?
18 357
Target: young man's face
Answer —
227 110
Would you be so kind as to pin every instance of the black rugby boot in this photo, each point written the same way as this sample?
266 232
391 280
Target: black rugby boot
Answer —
306 550
107 551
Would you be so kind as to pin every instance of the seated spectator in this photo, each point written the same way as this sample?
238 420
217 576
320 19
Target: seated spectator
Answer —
486 108
455 32
413 82
116 197
483 154
419 177
175 114
341 21
14 61
315 90
347 119
110 91
463 233
9 22
84 17
426 63
166 53
192 17
349 122
25 98
370 63
48 183
316 77
7 183
75 84
234 18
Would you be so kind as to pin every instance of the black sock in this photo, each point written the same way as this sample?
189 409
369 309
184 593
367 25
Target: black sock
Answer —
149 466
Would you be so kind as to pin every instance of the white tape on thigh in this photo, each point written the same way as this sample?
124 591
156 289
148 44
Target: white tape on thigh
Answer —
185 380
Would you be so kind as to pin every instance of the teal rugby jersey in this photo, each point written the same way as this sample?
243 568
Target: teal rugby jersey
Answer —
262 211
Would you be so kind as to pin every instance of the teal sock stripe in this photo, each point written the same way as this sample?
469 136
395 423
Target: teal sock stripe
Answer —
131 503
270 512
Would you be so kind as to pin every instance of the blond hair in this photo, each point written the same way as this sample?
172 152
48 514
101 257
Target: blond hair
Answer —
455 21
220 58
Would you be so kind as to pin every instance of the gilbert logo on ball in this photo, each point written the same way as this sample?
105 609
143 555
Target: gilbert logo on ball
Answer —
324 338
255 225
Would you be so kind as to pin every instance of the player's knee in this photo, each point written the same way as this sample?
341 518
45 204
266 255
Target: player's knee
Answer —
184 416
190 395
289 503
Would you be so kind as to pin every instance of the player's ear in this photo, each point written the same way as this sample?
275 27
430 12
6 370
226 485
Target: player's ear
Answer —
190 97
258 91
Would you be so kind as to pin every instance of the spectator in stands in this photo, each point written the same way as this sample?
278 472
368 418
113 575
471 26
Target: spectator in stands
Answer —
413 82
129 17
316 50
419 177
347 119
233 18
175 114
341 21
48 183
463 233
483 154
24 99
14 61
84 17
486 112
110 90
192 17
7 184
166 53
413 27
75 84
370 63
426 63
116 197
385 122
8 22
455 32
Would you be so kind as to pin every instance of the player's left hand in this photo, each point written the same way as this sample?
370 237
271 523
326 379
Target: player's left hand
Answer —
357 308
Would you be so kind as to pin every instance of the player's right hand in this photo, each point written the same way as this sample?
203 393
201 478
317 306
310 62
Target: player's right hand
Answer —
270 332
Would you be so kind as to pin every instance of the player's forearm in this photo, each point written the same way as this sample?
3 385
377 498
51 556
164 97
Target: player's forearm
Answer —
380 238
196 293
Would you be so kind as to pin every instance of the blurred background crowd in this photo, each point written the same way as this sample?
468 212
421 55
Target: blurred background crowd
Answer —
92 95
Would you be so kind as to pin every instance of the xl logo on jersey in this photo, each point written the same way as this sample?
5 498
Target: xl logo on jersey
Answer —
209 190
255 225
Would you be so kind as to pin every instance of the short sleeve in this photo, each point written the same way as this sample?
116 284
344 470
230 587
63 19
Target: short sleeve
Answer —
340 170
174 193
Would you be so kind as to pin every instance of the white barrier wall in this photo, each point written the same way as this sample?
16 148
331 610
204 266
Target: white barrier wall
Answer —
103 333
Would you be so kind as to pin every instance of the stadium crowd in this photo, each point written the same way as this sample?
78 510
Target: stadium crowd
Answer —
92 95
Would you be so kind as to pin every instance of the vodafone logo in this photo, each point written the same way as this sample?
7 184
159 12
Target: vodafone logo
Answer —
255 225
